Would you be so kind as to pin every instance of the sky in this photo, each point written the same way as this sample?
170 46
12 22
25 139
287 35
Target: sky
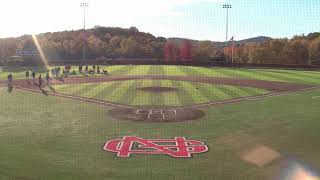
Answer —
194 19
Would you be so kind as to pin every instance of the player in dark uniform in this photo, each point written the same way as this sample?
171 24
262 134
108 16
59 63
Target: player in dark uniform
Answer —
86 69
98 69
10 86
33 74
40 81
52 72
10 79
80 69
48 78
27 75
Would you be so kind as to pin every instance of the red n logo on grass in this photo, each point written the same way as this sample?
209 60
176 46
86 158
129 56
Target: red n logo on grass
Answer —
178 147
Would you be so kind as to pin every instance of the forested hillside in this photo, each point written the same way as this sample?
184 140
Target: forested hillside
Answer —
110 42
107 42
301 50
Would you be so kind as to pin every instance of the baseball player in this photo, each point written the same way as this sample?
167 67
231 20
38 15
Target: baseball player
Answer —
40 81
33 74
27 75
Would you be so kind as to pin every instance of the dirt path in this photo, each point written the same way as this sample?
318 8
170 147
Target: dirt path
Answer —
276 88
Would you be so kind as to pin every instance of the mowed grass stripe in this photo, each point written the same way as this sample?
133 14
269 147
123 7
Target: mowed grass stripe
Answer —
131 94
135 95
173 71
85 88
212 92
183 96
170 98
139 70
257 74
106 94
156 70
282 76
291 76
247 74
160 70
156 98
123 70
112 68
75 89
254 91
227 92
209 72
189 71
61 87
192 94
97 89
142 97
238 91
120 91
312 74
111 86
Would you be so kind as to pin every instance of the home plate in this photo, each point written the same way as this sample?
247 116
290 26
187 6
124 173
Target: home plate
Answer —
260 155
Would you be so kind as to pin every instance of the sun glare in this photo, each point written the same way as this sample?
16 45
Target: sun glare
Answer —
42 55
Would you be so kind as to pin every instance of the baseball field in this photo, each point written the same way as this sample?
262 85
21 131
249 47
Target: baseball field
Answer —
254 122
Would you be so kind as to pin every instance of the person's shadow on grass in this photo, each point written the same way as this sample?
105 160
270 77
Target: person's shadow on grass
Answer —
52 89
86 75
10 89
44 92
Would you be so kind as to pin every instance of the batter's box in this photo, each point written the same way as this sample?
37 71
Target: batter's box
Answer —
156 115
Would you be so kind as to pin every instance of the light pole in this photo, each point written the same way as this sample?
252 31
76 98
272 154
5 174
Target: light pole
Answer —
227 6
84 5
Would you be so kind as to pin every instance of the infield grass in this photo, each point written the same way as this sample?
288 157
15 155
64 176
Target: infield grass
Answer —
187 93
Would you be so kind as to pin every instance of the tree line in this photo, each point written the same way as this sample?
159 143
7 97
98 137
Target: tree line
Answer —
300 50
109 42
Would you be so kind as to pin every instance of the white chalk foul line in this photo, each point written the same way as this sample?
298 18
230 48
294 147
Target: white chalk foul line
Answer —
101 102
249 98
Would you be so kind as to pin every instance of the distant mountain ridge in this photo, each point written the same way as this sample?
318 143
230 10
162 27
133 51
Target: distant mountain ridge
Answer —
258 39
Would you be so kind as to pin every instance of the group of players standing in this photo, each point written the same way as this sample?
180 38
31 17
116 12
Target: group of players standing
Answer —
56 73
40 80
95 69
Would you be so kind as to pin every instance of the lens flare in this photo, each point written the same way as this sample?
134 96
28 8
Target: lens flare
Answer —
42 55
297 171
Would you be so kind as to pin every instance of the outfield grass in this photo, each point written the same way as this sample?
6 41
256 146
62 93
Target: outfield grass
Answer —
304 77
188 93
50 138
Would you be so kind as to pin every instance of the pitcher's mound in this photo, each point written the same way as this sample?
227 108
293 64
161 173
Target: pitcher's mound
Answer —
156 89
156 114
